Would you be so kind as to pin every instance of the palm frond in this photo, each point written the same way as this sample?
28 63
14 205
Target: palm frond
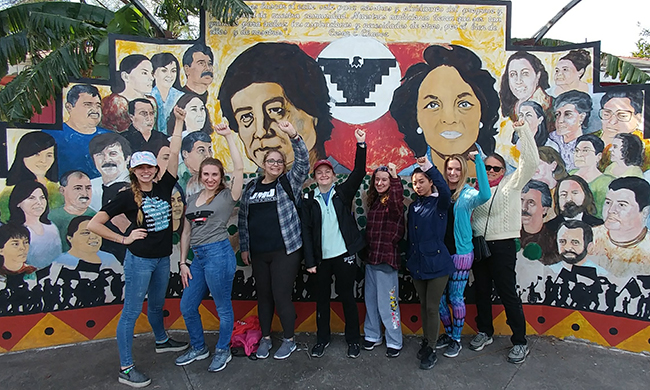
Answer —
226 11
624 70
34 86
16 18
13 50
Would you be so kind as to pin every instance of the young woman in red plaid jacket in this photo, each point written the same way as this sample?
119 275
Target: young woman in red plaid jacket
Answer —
385 228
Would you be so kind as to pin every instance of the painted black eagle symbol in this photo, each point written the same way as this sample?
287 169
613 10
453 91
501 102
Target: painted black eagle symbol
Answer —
356 78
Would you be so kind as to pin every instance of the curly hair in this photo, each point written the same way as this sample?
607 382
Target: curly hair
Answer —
508 99
403 107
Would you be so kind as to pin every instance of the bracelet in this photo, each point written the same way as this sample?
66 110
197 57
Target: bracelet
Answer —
185 264
295 136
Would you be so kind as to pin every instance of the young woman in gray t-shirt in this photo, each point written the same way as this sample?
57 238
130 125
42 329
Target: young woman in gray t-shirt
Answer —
213 267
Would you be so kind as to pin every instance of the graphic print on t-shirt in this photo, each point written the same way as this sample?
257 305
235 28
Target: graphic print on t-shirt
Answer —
264 196
198 218
157 214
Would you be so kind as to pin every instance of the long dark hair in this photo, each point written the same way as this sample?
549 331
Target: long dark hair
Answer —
127 65
508 99
160 60
541 136
182 103
29 145
403 107
21 192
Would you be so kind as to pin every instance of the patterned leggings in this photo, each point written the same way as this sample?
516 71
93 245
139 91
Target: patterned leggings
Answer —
454 294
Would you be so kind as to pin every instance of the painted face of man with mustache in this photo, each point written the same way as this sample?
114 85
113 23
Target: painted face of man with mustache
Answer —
199 73
77 193
110 162
86 114
571 245
571 199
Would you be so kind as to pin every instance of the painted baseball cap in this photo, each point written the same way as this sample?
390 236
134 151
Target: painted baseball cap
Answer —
323 162
143 158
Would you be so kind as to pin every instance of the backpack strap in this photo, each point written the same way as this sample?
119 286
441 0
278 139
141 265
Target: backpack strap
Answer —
286 186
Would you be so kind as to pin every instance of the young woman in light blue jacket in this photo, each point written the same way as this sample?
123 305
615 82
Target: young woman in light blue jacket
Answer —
458 240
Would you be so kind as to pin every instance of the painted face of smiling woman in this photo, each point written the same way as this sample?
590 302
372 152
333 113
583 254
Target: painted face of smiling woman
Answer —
448 111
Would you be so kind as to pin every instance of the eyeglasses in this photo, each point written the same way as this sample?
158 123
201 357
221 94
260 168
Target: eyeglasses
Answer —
584 151
274 162
493 168
621 115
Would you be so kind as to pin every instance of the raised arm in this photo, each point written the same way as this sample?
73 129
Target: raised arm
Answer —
444 193
300 169
396 194
529 157
236 186
350 186
483 194
176 140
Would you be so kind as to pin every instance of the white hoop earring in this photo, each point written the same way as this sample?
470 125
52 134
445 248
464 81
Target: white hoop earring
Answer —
480 125
419 130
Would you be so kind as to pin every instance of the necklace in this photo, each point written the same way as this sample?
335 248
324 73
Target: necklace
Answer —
627 244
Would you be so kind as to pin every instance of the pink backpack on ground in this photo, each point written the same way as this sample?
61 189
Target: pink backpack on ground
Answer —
247 334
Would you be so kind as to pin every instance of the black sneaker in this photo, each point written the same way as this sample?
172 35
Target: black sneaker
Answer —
429 360
354 350
171 345
392 352
453 349
319 349
134 378
370 345
423 348
443 341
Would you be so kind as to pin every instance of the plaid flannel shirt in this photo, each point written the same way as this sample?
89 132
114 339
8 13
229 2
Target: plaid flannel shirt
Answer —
287 213
386 226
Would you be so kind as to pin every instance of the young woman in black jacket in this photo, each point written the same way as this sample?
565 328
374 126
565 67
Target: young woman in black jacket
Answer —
331 241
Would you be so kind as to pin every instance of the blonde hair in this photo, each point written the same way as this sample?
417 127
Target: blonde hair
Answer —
463 173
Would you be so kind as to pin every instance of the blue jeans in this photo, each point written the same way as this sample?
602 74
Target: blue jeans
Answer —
213 268
142 276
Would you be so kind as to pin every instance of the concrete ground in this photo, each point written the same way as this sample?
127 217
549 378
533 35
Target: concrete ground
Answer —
552 364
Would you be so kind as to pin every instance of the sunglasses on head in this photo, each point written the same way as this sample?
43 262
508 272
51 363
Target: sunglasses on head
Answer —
382 168
493 168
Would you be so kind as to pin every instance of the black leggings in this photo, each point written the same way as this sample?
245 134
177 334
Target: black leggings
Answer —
345 273
275 274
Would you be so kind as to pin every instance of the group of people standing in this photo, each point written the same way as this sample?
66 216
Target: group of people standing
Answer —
279 226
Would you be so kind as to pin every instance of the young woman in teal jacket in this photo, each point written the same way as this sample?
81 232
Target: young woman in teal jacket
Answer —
428 258
458 240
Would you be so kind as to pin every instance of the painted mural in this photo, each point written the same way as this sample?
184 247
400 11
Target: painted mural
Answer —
331 68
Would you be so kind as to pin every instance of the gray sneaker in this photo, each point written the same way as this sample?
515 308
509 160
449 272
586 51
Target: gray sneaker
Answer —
264 348
518 354
443 341
453 349
192 355
285 349
134 378
480 341
220 359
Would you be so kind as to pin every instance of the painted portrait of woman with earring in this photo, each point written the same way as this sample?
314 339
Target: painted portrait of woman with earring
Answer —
449 102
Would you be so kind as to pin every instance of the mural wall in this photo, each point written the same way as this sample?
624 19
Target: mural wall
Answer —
434 79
